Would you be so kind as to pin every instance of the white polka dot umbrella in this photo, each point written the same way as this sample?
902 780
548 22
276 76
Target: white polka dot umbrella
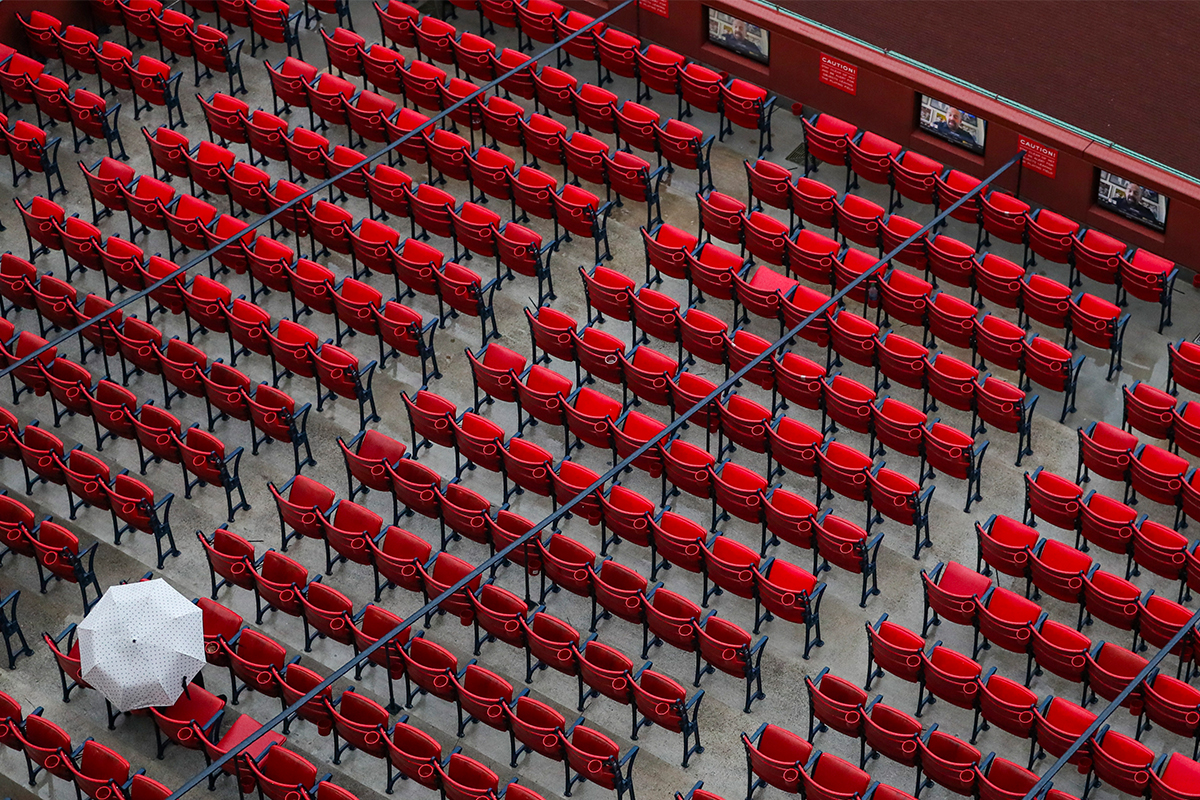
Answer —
140 644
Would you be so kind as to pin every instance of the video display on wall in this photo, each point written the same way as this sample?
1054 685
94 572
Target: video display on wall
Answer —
743 38
952 124
1132 200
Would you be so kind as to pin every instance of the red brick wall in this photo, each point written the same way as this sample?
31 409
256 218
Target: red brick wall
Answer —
1120 69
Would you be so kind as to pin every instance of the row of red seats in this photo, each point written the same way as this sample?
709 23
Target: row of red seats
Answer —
651 376
376 118
428 86
902 296
909 174
95 770
71 386
1096 517
150 79
1015 549
542 635
561 561
269 20
125 266
292 346
184 366
55 549
1042 232
956 593
777 757
735 489
419 266
354 720
1096 321
837 704
465 513
259 663
626 513
892 355
194 720
215 169
570 207
1154 472
131 502
88 113
605 422
735 101
173 30
543 392
1052 726
1153 412
29 146
549 642
727 563
373 245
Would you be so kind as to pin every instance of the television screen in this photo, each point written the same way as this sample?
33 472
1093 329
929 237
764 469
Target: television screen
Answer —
1132 200
739 36
952 124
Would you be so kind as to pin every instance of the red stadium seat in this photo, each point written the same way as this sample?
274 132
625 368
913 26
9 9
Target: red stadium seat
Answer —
813 202
947 674
948 761
896 231
951 319
826 139
1095 255
1148 409
859 220
951 261
770 182
748 106
1100 324
915 177
851 548
1046 301
1157 474
1001 215
1060 649
1004 545
953 592
1059 723
662 701
870 157
1051 236
1148 277
775 757
999 280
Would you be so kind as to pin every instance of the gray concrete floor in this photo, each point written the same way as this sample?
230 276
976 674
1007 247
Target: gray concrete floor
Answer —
657 773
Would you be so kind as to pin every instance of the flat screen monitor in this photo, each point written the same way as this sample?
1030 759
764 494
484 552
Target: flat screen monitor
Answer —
1132 200
743 38
952 124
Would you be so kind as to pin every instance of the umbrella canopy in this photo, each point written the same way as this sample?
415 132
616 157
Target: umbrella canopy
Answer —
140 644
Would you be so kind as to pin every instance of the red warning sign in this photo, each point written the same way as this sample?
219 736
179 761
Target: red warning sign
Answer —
1039 158
839 74
655 7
